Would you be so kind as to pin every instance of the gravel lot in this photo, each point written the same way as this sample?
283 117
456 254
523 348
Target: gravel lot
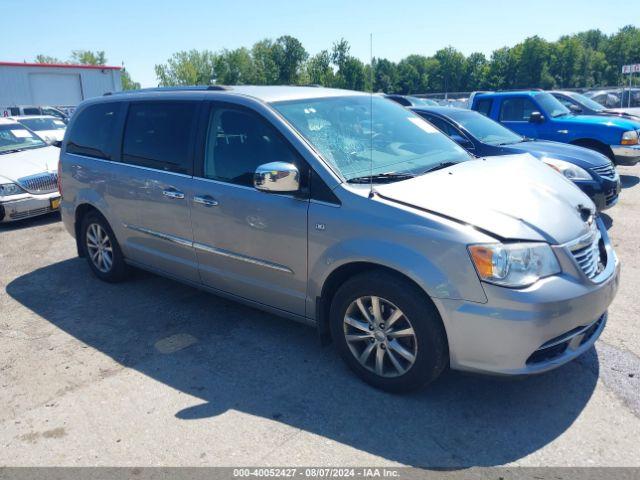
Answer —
151 372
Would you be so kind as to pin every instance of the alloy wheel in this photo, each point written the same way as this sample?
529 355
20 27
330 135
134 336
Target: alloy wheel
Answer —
380 336
99 248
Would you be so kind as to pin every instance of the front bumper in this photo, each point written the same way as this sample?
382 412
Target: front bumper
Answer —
626 154
604 193
27 206
531 330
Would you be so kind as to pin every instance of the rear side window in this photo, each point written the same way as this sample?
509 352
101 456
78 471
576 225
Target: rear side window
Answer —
238 141
483 106
92 132
516 110
160 135
31 111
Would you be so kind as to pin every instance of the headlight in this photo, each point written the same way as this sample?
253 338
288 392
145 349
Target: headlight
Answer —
514 264
569 170
7 189
630 138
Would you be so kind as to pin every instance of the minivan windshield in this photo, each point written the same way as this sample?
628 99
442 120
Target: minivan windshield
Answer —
483 128
14 137
551 105
366 135
42 124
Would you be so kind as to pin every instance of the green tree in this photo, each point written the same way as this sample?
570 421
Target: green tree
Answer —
289 55
47 59
351 71
385 76
319 70
451 70
87 57
191 67
127 82
476 72
267 70
234 67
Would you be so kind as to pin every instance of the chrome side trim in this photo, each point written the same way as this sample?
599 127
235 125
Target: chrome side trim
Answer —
209 249
165 236
242 258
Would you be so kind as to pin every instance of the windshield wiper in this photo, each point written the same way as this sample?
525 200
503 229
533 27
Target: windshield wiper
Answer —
381 177
440 166
14 150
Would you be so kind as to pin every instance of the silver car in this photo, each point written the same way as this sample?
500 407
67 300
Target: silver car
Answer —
345 211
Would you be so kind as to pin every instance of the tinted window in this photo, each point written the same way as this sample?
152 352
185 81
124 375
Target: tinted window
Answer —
483 106
92 132
14 111
31 111
238 141
516 110
159 135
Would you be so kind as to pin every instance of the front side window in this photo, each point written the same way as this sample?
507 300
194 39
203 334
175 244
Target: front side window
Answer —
31 111
160 135
517 110
238 141
43 124
92 132
360 135
14 137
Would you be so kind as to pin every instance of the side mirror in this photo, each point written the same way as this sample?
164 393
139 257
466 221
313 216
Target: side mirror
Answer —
575 108
536 117
277 177
56 143
462 141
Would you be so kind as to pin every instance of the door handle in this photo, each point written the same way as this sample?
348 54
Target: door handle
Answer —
205 200
173 193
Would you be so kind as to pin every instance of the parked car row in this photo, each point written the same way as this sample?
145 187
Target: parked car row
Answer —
61 113
591 171
353 214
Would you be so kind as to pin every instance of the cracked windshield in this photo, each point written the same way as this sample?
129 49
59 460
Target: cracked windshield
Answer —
398 143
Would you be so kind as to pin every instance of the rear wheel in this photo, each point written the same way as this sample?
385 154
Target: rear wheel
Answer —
388 332
102 249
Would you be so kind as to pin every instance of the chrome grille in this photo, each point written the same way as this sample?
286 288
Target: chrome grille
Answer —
608 171
587 253
40 183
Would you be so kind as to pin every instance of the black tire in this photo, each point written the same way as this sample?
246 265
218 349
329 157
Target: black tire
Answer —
431 355
118 270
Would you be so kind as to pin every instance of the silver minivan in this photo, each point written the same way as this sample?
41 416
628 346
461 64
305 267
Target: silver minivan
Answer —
345 211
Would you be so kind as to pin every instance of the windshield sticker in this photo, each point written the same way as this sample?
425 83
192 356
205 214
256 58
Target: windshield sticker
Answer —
21 133
422 124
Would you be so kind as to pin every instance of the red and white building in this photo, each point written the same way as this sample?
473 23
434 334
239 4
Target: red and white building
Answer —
55 84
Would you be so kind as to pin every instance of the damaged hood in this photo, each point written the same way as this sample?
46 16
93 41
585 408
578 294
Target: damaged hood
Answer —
513 197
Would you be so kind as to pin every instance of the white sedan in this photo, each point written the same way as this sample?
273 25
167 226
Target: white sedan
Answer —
47 127
28 173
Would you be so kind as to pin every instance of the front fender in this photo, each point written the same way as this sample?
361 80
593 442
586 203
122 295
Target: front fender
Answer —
457 281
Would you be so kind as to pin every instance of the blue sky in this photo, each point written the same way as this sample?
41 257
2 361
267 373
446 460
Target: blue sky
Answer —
143 33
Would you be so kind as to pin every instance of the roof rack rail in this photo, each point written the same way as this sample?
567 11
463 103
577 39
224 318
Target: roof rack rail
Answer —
173 89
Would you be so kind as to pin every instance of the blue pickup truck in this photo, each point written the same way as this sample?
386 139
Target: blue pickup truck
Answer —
539 115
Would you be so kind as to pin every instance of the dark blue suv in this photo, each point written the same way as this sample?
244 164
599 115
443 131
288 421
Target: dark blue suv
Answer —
591 171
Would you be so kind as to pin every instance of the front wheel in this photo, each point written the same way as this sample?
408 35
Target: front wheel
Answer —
388 331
